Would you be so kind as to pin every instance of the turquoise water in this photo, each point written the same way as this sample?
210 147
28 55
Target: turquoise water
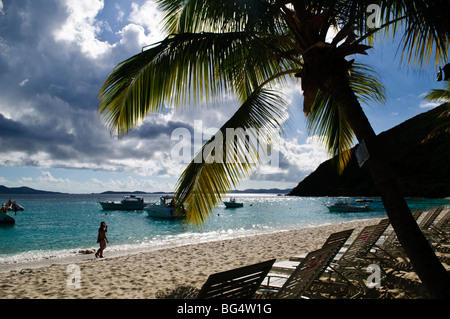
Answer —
61 225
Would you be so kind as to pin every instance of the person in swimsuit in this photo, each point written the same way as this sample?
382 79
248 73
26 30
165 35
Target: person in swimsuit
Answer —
101 239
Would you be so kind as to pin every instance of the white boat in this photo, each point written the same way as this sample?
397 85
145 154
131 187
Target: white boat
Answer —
233 204
12 206
4 217
345 207
164 208
131 202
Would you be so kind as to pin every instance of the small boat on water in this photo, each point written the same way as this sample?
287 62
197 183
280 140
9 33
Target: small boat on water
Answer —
12 206
344 207
4 216
233 204
164 208
131 202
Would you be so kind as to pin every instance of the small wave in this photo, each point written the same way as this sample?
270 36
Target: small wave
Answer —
40 255
151 243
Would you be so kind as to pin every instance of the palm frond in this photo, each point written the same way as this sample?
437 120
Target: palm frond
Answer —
219 16
423 26
366 85
181 70
327 121
222 163
146 81
187 69
440 95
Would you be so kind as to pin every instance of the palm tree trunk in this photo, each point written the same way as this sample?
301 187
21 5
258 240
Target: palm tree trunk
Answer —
423 259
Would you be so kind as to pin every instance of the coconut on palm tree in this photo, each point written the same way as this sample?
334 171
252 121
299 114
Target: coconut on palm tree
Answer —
252 48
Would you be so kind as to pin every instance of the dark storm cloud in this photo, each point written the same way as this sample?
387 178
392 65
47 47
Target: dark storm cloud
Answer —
49 88
49 94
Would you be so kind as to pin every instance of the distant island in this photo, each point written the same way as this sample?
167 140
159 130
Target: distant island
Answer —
24 190
261 191
420 161
132 193
30 191
245 191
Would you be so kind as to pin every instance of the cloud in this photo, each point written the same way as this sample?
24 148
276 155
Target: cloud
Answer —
148 16
1 8
23 82
427 105
82 27
49 99
133 37
47 177
120 12
297 159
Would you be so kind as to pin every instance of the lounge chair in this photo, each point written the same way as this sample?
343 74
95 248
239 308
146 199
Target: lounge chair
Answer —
391 240
357 250
429 218
305 274
339 237
360 248
240 283
348 266
437 233
390 249
391 246
288 266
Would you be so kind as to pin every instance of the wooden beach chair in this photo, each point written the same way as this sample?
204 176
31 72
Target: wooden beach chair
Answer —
282 270
389 249
288 266
361 247
344 266
429 218
348 266
305 274
391 239
437 233
338 237
239 283
357 249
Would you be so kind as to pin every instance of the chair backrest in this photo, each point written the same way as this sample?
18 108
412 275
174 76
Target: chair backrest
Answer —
311 268
429 218
376 234
358 245
442 223
417 214
239 283
339 237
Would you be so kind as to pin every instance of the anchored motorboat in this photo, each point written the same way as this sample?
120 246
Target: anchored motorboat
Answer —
164 208
345 207
131 202
233 204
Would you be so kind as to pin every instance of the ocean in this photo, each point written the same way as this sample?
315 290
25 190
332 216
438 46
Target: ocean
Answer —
60 226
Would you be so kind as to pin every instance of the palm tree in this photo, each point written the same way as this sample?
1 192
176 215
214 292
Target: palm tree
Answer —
252 47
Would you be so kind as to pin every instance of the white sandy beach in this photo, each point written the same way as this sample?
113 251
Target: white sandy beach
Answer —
142 275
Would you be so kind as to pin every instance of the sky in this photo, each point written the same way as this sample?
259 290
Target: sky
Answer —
54 56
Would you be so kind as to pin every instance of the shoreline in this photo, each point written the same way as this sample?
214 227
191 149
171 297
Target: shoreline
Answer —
142 274
38 259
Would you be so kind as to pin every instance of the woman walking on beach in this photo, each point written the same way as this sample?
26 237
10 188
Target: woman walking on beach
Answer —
101 239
